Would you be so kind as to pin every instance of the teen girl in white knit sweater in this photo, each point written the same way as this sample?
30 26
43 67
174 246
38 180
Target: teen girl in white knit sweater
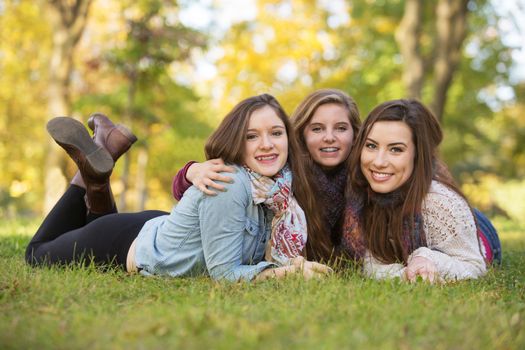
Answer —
405 216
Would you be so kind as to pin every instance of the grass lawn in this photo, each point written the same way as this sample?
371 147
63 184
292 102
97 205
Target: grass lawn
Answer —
84 308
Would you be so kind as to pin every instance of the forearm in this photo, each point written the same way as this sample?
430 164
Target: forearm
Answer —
373 268
308 269
236 272
451 267
276 272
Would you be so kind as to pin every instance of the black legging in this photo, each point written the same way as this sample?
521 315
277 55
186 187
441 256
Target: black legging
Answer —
69 235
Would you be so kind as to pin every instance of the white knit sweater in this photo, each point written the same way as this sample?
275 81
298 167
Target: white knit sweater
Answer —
452 241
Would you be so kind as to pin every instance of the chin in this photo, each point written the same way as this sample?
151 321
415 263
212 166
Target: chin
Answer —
381 191
330 164
380 188
267 171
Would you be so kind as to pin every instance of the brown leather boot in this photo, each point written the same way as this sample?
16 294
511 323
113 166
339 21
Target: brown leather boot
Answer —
117 139
94 162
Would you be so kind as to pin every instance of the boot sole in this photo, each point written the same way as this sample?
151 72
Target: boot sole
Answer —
70 133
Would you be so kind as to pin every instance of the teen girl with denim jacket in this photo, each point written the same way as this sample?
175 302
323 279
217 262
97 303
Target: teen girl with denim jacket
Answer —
256 229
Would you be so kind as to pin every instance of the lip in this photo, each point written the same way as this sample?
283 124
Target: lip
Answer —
267 158
329 149
329 152
379 176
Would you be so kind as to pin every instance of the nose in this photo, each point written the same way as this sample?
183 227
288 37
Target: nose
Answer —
329 136
380 160
266 142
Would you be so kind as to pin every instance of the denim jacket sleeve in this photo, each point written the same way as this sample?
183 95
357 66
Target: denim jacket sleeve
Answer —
223 224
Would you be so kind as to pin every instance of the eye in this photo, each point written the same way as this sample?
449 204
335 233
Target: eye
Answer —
277 133
251 136
396 150
341 128
316 128
370 145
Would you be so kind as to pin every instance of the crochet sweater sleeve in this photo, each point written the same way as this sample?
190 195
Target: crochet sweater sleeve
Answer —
452 241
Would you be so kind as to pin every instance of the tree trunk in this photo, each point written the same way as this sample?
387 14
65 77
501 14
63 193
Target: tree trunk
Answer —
451 28
68 19
142 164
128 117
407 36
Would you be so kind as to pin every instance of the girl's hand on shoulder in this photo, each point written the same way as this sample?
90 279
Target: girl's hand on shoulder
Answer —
420 266
205 175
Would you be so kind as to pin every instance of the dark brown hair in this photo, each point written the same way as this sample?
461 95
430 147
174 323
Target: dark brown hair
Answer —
227 141
388 230
320 244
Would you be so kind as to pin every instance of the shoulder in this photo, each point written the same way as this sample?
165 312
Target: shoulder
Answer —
239 190
441 196
446 212
241 180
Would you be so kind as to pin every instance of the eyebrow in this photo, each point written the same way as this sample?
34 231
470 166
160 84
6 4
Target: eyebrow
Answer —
273 127
338 123
390 144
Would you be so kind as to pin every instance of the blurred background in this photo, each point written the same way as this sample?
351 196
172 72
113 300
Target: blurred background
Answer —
172 69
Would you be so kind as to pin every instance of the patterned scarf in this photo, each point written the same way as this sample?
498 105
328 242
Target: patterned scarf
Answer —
288 236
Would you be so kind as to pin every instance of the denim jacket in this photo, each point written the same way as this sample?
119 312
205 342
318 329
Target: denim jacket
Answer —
224 235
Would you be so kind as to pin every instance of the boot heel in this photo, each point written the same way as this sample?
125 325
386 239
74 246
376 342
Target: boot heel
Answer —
100 161
127 133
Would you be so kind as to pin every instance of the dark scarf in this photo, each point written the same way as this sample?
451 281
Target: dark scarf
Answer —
331 191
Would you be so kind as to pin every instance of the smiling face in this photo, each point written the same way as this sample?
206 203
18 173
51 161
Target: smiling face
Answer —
266 143
329 135
387 158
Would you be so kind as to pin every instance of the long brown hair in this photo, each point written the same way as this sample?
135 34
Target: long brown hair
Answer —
388 229
320 244
227 141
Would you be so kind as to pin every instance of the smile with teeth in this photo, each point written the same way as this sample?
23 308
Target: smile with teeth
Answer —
329 149
266 158
380 176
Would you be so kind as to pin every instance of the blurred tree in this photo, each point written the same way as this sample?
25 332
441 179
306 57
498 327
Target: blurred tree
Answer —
68 19
142 63
134 57
154 40
445 54
287 50
24 51
376 51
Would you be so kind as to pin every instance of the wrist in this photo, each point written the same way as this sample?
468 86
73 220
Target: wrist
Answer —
186 170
